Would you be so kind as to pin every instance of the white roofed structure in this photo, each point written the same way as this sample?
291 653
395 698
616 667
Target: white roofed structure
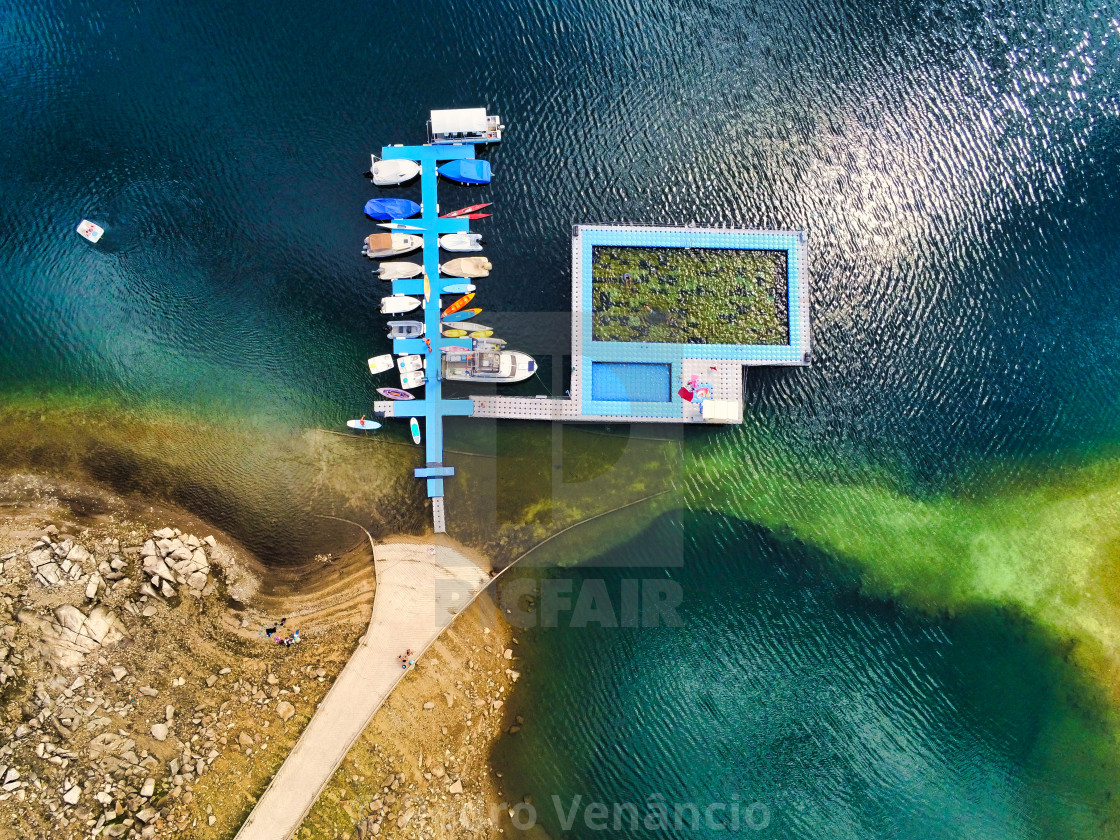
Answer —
464 125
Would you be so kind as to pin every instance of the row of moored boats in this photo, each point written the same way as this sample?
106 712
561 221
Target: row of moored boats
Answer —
478 356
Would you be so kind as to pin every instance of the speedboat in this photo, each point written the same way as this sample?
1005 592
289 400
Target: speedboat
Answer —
387 209
470 267
461 242
488 365
386 173
378 245
405 329
398 270
397 304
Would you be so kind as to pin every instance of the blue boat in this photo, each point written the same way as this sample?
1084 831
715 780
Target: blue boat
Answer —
467 171
391 208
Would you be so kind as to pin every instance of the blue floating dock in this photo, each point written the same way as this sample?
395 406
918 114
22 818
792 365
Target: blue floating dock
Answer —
432 407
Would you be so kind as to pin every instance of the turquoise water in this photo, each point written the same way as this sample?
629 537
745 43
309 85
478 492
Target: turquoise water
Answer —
951 450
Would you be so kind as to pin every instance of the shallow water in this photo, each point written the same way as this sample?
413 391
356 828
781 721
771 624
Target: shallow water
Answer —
955 166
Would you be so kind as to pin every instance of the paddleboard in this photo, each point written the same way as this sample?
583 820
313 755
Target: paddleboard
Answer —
463 210
456 348
481 333
467 325
457 288
395 394
380 364
459 304
427 289
363 425
414 427
400 226
454 333
461 315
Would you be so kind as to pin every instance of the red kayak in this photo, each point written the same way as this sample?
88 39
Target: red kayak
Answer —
462 211
474 216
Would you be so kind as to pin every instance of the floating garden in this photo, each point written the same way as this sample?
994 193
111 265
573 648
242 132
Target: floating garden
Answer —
689 295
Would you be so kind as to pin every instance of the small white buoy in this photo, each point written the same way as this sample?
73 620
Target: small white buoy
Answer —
90 231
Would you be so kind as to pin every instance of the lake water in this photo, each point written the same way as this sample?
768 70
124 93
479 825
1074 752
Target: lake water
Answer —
956 166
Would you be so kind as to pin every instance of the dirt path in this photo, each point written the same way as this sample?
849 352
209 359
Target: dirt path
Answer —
420 587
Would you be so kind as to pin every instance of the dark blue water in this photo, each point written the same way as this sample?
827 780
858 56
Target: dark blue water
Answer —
956 166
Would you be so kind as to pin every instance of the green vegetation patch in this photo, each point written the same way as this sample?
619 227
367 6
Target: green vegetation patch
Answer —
689 295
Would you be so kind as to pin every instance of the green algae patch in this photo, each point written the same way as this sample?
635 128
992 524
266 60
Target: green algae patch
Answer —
689 296
1046 547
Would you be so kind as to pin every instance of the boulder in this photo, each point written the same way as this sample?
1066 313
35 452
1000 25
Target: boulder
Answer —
159 731
197 580
180 553
119 673
70 617
198 559
167 590
49 574
72 796
429 706
245 739
149 549
164 534
456 786
285 710
156 566
77 555
148 691
148 788
93 585
191 541
210 541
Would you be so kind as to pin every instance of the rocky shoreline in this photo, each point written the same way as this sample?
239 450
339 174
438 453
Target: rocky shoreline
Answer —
136 698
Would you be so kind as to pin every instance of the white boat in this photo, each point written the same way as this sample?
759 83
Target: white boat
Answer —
396 304
386 173
90 231
413 379
467 267
468 326
461 242
378 245
380 364
489 365
398 270
405 329
410 363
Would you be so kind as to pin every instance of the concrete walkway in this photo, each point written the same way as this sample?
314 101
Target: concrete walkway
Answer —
420 589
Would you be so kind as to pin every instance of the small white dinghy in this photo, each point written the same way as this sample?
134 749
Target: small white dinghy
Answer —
471 267
396 304
398 270
386 173
90 231
378 245
380 364
461 242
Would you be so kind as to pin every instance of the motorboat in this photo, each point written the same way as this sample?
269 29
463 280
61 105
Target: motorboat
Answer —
488 365
387 209
466 171
469 267
379 245
398 304
387 173
90 231
461 242
398 270
405 329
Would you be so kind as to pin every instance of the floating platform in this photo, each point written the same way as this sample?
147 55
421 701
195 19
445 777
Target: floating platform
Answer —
647 381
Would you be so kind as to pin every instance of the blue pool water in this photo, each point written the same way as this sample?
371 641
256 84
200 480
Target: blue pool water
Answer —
631 382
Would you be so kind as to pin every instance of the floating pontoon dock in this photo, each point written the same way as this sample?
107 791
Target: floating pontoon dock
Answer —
632 381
